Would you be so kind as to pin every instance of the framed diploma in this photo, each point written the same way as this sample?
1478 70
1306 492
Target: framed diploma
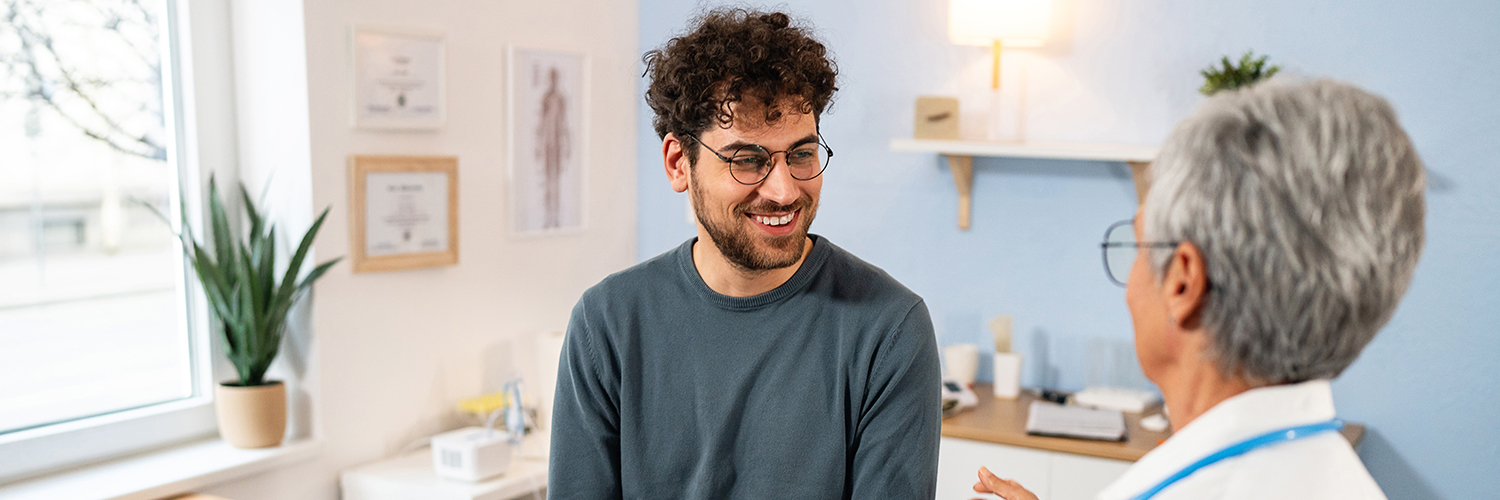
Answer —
404 212
398 79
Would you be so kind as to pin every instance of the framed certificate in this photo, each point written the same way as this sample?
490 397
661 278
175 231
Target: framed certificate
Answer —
398 79
403 212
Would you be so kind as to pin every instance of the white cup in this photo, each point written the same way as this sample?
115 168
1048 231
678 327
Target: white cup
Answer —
963 362
1007 375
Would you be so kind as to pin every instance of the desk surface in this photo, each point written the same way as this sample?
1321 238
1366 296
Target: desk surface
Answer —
1003 421
411 476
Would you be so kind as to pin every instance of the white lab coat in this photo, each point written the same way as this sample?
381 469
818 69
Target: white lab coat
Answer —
1322 467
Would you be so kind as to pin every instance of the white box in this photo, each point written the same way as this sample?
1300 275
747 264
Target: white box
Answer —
471 454
1115 398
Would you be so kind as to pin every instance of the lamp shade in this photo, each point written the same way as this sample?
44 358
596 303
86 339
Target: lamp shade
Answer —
1017 23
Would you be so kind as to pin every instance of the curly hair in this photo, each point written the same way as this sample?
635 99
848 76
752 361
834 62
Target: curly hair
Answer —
733 54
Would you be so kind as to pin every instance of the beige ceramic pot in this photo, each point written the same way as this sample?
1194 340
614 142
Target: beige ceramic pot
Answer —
252 417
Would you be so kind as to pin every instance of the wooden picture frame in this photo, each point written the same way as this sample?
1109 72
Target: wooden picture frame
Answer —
397 207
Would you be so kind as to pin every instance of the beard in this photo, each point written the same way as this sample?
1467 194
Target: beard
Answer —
736 242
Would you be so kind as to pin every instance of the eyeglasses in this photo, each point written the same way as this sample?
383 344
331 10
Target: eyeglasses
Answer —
1120 250
751 163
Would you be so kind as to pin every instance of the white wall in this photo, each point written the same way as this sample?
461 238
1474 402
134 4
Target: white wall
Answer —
390 353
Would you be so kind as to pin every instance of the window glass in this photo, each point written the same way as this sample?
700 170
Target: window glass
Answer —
92 307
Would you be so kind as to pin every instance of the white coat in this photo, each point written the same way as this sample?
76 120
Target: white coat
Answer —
1322 466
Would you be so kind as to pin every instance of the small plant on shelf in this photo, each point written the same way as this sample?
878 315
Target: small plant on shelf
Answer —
1230 76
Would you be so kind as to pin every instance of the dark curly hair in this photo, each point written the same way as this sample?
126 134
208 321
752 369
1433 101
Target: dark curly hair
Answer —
731 55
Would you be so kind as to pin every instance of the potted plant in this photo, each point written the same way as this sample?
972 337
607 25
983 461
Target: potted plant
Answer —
249 306
1229 76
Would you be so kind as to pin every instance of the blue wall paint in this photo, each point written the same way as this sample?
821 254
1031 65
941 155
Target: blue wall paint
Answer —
1125 72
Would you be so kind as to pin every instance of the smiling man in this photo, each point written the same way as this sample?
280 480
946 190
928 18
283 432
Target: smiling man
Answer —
755 360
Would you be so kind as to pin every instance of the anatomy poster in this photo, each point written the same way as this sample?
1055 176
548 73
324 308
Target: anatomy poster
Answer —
547 139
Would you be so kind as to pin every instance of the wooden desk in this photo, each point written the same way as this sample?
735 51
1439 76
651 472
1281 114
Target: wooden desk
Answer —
994 435
1003 421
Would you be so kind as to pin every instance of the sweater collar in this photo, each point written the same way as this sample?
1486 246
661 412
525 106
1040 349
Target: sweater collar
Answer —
798 281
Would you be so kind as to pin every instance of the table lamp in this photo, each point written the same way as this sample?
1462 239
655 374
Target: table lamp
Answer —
997 23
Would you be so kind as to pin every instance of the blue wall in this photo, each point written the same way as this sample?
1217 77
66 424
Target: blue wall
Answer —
1125 72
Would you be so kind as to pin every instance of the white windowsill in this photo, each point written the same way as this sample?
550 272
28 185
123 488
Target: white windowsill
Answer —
161 473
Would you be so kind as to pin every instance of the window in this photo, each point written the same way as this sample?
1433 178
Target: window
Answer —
96 321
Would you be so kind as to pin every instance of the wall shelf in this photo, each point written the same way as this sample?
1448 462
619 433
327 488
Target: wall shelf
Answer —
960 156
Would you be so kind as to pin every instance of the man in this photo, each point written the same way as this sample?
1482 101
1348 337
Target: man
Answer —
755 361
1282 227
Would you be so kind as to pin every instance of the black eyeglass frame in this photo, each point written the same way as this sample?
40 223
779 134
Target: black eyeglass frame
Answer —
1106 245
769 159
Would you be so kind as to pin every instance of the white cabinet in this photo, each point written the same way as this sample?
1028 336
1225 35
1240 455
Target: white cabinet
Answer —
959 461
1050 475
1080 477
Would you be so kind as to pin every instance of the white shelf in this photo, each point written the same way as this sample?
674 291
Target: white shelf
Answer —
960 155
1046 150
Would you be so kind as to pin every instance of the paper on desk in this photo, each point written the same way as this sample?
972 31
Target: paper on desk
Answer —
1051 419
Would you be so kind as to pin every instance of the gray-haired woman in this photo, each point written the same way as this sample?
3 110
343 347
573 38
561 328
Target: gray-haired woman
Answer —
1281 229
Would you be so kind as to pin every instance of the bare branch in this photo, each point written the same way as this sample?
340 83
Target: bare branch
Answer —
35 42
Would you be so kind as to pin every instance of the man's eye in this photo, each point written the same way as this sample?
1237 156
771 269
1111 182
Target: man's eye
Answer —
803 154
748 162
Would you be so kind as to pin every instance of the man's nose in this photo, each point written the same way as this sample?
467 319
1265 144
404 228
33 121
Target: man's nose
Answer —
779 185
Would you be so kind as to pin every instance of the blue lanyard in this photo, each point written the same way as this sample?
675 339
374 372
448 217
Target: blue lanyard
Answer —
1243 447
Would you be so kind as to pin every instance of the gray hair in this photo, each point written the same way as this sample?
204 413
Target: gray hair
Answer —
1306 199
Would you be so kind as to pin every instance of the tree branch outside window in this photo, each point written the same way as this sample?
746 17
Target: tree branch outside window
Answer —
107 83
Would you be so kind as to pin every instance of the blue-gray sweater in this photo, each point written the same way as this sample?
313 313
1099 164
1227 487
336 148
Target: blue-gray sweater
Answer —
826 387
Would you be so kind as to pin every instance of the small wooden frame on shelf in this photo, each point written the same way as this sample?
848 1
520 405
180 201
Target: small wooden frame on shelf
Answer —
403 212
960 155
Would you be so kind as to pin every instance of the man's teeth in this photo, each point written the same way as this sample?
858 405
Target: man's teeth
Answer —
773 221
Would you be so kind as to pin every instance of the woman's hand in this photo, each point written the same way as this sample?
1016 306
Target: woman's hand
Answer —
1007 489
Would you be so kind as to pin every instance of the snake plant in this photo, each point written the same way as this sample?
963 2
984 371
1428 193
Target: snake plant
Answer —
239 279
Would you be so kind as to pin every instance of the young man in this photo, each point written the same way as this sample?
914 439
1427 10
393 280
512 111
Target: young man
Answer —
756 360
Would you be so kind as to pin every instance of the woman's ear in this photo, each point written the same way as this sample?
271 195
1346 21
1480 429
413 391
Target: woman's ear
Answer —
676 162
1185 286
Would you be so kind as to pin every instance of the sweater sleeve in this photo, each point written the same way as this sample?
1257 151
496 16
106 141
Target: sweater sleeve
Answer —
584 461
896 453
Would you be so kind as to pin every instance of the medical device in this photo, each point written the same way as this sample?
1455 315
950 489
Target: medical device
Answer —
957 397
478 453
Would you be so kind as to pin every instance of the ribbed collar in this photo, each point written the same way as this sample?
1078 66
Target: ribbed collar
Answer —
798 281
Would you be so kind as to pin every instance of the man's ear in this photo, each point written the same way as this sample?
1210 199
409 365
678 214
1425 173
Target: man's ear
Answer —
1185 287
676 162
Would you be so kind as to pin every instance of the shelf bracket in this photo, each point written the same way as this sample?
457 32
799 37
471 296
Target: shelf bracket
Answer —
962 167
963 179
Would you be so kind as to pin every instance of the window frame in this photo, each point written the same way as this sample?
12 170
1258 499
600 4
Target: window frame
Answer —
33 452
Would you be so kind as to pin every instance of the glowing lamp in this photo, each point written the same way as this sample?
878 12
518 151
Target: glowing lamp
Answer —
1016 23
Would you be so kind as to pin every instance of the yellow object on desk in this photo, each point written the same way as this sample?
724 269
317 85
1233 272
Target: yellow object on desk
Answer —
483 405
